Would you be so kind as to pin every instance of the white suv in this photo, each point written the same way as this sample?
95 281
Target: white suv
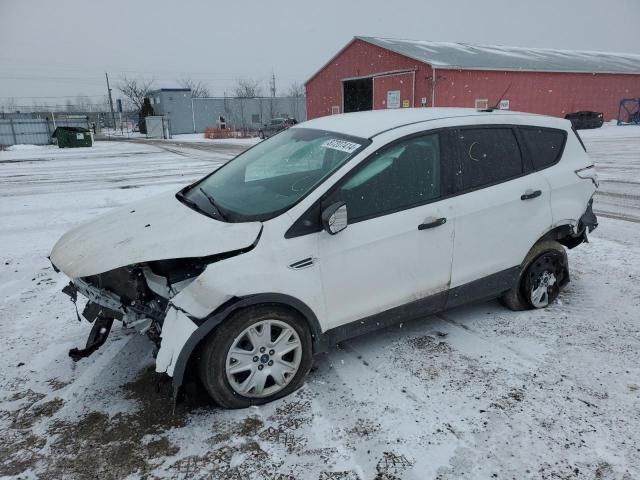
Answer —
331 229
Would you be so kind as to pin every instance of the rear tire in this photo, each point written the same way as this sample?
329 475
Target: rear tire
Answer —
544 271
258 355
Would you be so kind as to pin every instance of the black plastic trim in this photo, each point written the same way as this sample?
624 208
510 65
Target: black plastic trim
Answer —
485 288
403 313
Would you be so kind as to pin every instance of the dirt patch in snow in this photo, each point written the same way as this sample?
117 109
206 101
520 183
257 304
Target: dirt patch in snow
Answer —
19 446
121 440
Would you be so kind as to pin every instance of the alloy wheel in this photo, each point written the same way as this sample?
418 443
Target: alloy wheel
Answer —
543 280
263 359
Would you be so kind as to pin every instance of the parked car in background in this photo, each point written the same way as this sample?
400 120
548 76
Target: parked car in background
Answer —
334 228
276 125
585 119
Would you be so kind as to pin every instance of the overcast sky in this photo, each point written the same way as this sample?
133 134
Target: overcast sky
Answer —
63 47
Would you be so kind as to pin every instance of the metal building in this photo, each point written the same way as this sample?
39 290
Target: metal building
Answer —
195 115
376 73
174 103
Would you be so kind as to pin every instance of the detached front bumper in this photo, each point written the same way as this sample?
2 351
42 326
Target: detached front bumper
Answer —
103 307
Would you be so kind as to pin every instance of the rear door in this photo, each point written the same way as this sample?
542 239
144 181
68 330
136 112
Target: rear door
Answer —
502 207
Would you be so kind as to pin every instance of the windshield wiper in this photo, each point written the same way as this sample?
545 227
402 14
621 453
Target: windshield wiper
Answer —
213 204
180 196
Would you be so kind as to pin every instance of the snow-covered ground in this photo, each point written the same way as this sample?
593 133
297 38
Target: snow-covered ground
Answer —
478 392
616 152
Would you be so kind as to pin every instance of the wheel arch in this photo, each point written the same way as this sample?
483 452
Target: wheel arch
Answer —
227 309
566 234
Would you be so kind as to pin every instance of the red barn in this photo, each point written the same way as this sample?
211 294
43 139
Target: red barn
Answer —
373 73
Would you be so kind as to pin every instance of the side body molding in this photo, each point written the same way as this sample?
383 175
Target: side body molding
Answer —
319 341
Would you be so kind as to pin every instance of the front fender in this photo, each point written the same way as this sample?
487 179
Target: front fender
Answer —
226 310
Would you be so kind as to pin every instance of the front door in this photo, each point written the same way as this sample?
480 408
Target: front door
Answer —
398 245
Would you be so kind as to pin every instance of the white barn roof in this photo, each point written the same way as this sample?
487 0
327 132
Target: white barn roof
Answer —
493 57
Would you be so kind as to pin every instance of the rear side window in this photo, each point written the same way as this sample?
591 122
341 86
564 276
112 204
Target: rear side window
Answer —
488 156
544 145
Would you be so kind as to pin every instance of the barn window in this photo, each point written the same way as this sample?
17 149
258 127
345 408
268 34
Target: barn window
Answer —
482 103
255 118
335 109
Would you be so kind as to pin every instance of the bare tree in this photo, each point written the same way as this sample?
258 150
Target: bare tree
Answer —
135 90
9 105
247 88
296 94
244 90
198 88
296 90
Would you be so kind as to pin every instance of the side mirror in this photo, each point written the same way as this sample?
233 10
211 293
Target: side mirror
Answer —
334 218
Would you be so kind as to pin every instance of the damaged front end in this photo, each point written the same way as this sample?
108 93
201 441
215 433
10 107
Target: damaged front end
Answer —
136 295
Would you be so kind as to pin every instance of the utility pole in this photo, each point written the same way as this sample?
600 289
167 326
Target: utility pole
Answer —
273 84
272 87
113 115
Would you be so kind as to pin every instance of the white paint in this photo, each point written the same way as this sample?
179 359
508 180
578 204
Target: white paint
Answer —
176 330
370 123
157 228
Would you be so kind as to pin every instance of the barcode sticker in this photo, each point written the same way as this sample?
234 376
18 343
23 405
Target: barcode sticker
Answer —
342 145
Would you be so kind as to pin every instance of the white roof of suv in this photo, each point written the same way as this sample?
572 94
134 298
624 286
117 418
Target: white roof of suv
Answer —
370 123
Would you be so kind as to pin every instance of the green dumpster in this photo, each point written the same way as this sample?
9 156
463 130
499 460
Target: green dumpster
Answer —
72 137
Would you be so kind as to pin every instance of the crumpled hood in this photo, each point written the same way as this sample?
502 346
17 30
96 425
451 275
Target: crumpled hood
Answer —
158 228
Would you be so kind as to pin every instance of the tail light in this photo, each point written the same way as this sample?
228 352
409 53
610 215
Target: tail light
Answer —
590 174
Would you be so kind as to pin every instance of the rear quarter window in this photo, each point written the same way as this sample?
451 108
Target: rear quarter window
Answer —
543 145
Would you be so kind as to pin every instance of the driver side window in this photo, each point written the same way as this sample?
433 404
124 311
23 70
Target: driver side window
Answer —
399 177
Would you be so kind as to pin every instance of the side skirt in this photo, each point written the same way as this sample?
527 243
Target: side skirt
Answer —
485 288
409 311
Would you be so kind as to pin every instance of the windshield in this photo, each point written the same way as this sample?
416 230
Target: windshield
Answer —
273 176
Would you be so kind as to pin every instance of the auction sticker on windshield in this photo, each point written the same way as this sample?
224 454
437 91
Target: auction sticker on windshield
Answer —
342 145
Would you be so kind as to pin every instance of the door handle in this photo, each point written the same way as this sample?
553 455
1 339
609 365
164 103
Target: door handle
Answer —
433 224
529 194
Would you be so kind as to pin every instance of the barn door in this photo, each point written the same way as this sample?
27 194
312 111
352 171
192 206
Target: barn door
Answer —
358 95
394 90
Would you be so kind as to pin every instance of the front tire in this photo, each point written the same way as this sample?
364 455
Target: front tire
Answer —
259 354
544 271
